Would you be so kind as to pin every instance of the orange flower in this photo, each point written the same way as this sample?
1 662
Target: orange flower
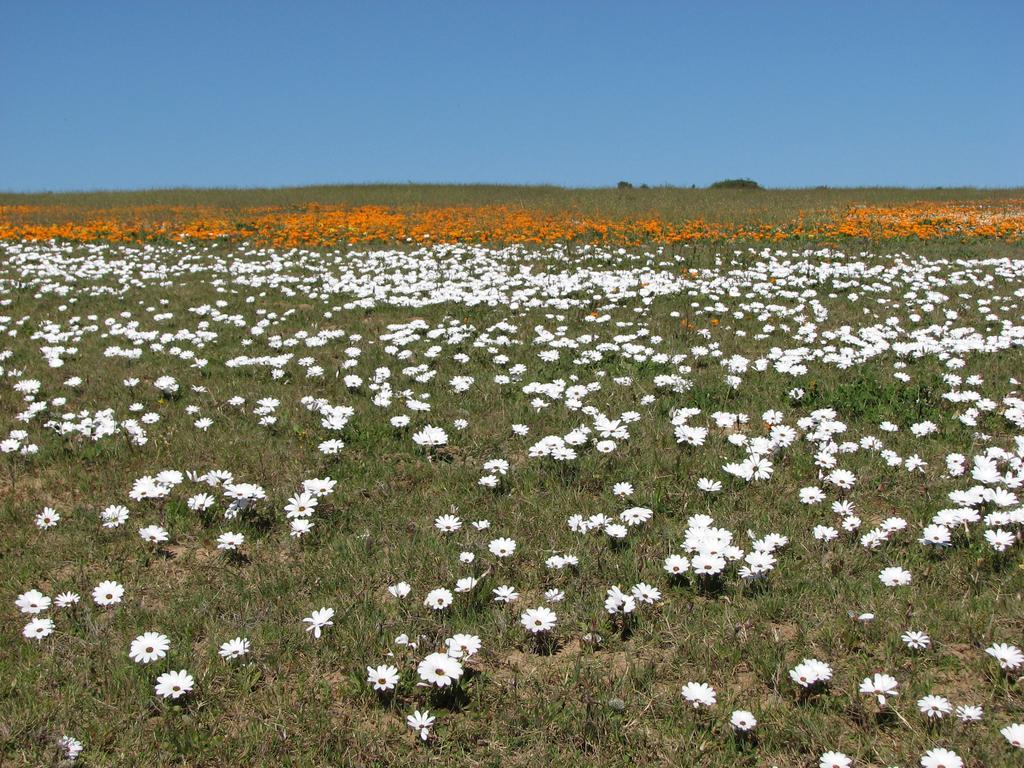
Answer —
315 225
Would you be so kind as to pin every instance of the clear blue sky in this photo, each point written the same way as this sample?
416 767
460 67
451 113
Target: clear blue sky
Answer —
112 94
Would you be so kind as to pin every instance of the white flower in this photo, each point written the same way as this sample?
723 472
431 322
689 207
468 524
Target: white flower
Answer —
319 487
538 619
234 649
438 599
708 485
742 720
331 447
707 564
154 534
72 747
894 577
318 620
881 686
38 628
1008 656
149 647
198 503
67 599
825 533
113 516
174 685
1000 539
618 601
968 713
502 547
936 535
934 706
811 495
301 505
400 590
32 602
421 722
461 646
842 478
383 678
699 695
645 593
1014 734
622 489
916 641
941 758
676 565
810 672
107 593
430 437
166 384
616 531
505 594
439 669
636 515
48 518
447 523
230 541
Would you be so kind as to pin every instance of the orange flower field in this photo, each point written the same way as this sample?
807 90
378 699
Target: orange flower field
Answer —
325 226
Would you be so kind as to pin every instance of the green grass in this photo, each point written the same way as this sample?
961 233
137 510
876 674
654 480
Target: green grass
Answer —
300 702
674 204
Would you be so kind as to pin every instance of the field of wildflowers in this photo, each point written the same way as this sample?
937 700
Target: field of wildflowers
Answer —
511 215
478 484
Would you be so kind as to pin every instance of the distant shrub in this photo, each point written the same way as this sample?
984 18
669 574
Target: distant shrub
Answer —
736 184
624 185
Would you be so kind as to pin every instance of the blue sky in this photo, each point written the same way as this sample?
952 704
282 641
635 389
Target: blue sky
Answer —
144 94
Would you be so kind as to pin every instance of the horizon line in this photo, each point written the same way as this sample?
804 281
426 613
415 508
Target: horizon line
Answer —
637 186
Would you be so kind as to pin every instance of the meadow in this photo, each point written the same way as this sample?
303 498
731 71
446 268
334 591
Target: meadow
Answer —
636 492
673 204
326 217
